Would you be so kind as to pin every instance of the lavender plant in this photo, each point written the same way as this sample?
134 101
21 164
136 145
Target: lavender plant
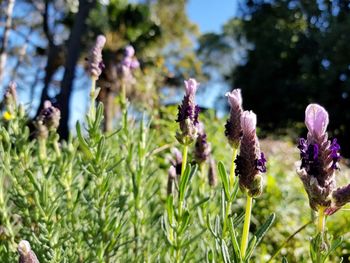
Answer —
319 161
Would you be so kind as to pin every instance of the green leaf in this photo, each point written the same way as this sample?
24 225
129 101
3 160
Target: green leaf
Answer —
235 245
224 179
234 191
335 244
250 249
184 222
224 252
238 219
82 142
264 228
284 260
200 202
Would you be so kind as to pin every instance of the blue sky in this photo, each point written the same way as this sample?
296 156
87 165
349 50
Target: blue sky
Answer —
210 15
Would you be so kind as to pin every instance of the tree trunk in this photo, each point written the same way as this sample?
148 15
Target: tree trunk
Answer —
73 53
3 54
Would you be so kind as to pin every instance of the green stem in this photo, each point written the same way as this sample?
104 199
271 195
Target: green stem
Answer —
92 97
321 219
232 181
183 168
245 234
287 240
184 159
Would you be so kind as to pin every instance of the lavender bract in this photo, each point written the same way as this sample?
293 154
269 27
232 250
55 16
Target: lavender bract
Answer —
319 158
250 162
233 130
188 114
95 63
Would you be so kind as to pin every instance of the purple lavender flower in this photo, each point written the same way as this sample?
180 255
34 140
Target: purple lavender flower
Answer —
26 254
233 130
188 114
48 120
202 147
95 57
250 162
319 158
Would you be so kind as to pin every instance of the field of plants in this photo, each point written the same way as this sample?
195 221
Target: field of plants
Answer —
228 146
172 185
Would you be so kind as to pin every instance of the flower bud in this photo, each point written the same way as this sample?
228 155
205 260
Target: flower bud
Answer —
95 57
233 129
26 254
48 120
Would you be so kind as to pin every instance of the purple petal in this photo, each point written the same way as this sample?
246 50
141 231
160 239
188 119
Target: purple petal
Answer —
248 121
316 119
191 86
234 98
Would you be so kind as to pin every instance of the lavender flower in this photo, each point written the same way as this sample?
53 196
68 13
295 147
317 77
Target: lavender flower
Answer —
250 163
212 176
10 96
26 254
202 147
95 57
319 158
233 130
48 120
188 114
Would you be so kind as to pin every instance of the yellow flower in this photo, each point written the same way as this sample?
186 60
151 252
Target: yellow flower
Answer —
7 116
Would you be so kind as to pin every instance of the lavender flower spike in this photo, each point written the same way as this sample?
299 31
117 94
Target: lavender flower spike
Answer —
188 114
250 162
233 128
319 158
95 57
26 254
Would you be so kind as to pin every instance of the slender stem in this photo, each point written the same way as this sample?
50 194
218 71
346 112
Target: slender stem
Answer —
321 219
92 96
184 159
245 234
183 167
288 239
232 181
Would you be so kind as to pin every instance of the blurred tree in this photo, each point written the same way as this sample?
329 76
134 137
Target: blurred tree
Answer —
297 54
54 49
